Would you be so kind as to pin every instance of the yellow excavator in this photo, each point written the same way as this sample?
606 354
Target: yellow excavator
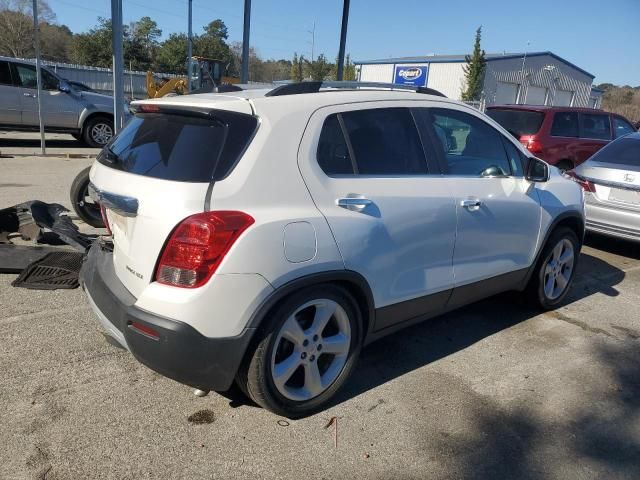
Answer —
207 75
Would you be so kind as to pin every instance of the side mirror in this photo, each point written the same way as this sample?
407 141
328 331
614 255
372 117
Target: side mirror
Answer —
537 170
63 86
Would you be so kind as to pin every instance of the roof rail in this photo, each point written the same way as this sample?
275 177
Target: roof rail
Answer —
315 86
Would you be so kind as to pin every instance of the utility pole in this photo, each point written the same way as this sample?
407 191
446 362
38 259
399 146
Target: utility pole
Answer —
118 68
189 49
343 39
36 40
313 40
244 74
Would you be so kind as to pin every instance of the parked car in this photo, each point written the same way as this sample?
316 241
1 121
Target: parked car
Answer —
87 116
611 183
266 236
562 136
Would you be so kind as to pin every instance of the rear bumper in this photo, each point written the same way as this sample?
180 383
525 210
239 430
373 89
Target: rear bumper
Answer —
612 221
181 352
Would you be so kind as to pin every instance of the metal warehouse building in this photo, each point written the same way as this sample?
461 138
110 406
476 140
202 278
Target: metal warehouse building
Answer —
538 78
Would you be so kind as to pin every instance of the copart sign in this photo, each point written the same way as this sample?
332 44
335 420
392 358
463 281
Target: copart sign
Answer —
411 75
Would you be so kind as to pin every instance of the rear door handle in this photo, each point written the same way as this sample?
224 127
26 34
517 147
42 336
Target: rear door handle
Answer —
471 204
355 204
32 95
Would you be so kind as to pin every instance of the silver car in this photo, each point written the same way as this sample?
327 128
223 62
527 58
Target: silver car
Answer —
88 116
611 182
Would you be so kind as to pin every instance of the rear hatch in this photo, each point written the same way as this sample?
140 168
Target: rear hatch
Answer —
522 124
159 170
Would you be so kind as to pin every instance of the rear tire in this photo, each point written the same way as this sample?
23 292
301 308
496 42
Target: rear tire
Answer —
98 131
307 351
84 207
555 269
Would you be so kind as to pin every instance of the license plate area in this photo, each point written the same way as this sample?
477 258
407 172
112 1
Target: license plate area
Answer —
631 197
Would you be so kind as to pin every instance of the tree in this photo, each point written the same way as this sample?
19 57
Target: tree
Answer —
349 71
16 26
171 56
474 71
297 68
94 47
319 69
144 35
55 42
212 43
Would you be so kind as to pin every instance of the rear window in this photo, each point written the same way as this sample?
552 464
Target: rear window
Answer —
625 151
184 147
517 122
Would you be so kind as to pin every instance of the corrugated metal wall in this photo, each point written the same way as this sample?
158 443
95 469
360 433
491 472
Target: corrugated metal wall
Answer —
101 79
560 77
447 78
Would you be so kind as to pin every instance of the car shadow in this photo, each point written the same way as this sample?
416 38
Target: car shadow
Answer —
437 338
617 246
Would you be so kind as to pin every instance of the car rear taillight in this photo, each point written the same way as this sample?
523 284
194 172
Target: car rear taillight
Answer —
586 185
532 145
197 246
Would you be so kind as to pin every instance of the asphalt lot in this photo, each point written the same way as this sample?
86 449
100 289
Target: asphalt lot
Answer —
493 391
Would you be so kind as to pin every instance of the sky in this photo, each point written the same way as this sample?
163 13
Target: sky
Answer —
600 36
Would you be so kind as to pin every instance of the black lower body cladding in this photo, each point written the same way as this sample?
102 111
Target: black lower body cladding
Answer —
179 352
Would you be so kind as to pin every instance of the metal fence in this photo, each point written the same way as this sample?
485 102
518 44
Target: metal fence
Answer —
101 79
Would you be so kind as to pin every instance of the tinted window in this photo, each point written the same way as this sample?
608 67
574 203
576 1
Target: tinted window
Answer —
595 126
625 151
27 75
565 124
471 146
516 122
49 81
181 147
385 141
333 154
621 127
5 74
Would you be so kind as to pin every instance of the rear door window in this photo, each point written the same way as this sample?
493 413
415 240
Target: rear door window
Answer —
27 75
621 127
595 126
333 153
471 146
384 141
5 73
181 147
565 124
517 122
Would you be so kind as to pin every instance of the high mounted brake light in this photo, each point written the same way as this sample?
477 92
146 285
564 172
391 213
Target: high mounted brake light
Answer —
145 108
197 246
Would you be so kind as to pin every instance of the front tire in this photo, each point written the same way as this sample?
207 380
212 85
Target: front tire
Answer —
555 270
98 131
308 350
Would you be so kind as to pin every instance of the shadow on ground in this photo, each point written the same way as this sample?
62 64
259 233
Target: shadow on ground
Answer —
69 142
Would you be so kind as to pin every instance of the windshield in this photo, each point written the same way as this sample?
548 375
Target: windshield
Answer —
625 151
517 122
181 147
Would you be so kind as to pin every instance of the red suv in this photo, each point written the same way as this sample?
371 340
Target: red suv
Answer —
562 136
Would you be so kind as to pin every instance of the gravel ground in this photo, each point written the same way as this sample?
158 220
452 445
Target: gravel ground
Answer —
495 390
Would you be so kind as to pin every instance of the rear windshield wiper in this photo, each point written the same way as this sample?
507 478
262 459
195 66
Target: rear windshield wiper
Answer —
108 155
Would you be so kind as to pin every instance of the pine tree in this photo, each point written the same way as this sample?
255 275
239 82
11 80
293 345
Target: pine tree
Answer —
474 71
297 68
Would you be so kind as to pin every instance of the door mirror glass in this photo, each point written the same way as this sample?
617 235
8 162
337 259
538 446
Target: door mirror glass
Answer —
64 86
537 170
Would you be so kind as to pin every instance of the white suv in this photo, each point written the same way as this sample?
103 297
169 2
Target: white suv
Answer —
266 236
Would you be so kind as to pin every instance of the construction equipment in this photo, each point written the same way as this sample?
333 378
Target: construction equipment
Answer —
207 75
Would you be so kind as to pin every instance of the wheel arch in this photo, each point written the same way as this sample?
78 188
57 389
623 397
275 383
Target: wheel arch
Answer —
354 283
572 219
91 114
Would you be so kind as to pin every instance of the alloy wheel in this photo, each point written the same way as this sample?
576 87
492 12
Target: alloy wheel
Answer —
558 269
101 133
311 350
